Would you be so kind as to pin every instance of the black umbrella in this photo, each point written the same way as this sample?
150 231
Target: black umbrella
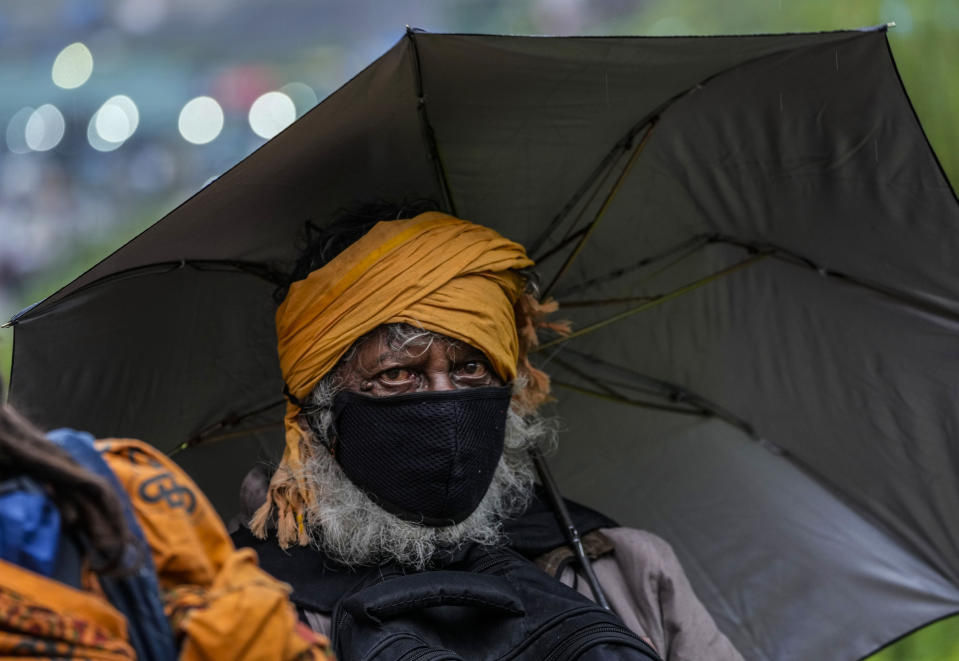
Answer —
751 234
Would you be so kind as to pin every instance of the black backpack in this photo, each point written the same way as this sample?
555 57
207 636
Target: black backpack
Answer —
491 603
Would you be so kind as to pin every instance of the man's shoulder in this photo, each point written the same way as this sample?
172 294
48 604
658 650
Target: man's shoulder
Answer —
638 537
653 550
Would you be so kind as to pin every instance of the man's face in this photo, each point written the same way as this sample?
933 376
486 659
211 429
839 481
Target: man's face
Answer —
394 360
381 365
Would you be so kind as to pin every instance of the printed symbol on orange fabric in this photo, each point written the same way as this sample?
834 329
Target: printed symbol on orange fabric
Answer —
140 458
164 487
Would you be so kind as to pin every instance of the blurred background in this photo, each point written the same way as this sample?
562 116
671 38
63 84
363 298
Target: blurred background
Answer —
113 112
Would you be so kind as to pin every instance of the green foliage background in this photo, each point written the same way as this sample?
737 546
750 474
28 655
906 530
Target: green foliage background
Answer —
925 43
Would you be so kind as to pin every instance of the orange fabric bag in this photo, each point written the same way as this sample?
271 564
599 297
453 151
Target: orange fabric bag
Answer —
221 605
41 618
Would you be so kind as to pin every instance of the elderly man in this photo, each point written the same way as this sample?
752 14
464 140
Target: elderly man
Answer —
404 512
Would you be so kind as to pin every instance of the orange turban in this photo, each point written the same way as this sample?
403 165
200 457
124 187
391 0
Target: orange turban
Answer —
433 271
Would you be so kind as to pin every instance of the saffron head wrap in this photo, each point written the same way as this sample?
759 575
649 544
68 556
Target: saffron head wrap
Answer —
433 271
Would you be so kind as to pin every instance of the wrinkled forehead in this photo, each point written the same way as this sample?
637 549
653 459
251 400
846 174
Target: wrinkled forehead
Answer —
402 336
404 340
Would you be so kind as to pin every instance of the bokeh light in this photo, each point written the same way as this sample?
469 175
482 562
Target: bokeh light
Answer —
201 120
73 66
304 98
17 131
112 124
117 119
271 113
45 128
96 140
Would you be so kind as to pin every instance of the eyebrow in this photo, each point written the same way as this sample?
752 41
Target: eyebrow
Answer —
399 355
468 353
386 355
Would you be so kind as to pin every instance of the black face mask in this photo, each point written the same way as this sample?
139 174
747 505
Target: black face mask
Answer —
425 457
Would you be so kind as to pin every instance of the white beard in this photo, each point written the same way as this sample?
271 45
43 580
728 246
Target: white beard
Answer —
350 528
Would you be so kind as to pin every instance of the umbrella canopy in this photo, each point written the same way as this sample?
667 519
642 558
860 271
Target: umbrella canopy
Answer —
751 234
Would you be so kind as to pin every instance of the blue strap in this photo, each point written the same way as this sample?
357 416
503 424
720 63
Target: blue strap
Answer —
29 526
136 595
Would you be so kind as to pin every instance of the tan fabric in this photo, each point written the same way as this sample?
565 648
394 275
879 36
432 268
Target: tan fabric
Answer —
647 587
595 544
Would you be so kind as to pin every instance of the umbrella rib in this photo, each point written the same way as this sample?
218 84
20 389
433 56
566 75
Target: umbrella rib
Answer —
604 207
651 385
796 259
600 302
624 143
206 434
777 252
605 165
429 136
618 396
224 436
250 268
619 399
621 146
572 233
559 246
663 389
704 407
676 293
685 249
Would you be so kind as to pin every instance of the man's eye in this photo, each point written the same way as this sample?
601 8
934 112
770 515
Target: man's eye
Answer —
474 368
395 375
